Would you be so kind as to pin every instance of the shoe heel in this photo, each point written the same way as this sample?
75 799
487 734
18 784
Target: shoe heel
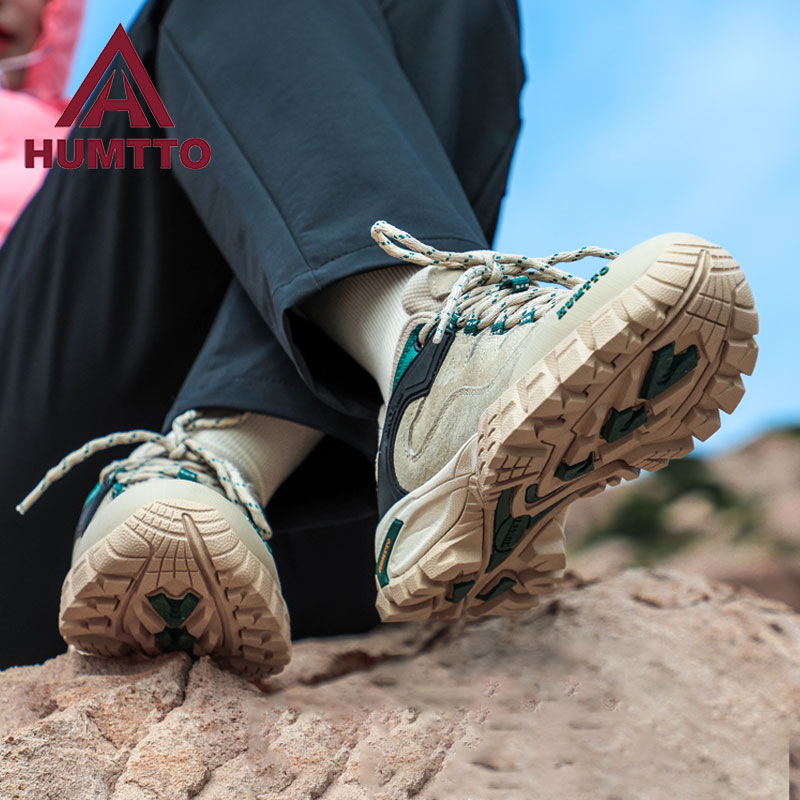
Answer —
174 576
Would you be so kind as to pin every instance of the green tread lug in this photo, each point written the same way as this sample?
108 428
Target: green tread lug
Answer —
509 530
496 559
666 369
174 611
171 640
502 586
568 472
460 591
621 423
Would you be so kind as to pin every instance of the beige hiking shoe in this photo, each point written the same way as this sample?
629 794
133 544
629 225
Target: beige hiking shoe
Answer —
511 400
171 553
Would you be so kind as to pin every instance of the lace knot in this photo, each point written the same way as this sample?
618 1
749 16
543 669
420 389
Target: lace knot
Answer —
176 451
172 455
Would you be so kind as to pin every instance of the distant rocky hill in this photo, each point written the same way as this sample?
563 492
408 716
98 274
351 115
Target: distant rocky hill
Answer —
734 518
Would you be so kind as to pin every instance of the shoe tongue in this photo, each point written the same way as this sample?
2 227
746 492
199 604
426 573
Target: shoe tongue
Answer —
427 289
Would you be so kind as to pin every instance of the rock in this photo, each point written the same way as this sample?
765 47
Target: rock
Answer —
647 684
732 519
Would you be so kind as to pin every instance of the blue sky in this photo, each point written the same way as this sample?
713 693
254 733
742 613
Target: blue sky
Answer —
644 117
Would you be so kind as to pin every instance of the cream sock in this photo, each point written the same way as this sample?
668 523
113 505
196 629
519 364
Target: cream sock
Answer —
266 449
364 315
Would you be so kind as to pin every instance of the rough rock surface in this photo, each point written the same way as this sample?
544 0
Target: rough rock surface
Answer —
645 685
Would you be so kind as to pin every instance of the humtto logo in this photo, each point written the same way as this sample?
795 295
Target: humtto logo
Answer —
111 153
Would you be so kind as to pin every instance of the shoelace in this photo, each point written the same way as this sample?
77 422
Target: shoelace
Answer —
511 295
167 455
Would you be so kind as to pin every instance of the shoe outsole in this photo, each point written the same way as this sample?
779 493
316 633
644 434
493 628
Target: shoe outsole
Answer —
627 390
174 576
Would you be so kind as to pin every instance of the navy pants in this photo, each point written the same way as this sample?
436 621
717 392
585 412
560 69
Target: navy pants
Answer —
128 296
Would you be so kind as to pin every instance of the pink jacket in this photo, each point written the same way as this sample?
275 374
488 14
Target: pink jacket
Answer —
32 112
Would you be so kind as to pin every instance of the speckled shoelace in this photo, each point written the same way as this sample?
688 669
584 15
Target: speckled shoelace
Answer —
171 455
497 290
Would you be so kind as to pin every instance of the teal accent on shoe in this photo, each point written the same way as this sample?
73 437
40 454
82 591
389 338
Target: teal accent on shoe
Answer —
117 489
97 489
621 423
171 640
519 283
382 566
498 327
666 369
503 585
568 472
409 353
174 611
460 591
509 530
186 475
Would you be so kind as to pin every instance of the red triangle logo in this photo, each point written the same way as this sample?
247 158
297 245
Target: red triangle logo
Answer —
118 43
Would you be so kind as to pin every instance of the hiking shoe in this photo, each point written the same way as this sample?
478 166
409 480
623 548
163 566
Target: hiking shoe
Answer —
171 554
511 400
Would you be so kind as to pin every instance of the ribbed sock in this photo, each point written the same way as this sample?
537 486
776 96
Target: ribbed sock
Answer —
266 449
364 315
